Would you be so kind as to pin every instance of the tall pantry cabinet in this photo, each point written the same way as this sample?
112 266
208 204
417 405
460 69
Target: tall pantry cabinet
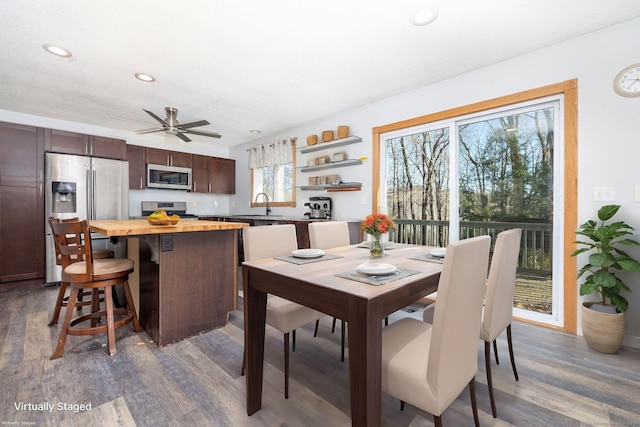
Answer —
21 203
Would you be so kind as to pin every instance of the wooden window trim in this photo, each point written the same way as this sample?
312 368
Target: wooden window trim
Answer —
569 89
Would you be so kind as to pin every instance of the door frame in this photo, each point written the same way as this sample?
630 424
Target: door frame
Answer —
568 88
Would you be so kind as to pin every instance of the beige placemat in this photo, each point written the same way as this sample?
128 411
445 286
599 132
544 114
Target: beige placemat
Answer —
376 280
294 260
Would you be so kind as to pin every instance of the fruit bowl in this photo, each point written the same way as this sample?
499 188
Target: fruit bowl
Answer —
159 221
174 220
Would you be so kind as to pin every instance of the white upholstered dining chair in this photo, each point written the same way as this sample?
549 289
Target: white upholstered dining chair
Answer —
497 312
326 235
428 365
498 302
286 316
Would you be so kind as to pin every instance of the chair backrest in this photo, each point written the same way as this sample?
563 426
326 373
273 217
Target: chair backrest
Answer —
268 241
453 353
328 234
73 239
498 301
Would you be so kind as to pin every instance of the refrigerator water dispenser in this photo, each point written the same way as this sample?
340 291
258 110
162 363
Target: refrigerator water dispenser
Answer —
64 197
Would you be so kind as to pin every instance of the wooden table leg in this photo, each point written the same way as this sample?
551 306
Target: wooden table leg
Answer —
365 346
255 310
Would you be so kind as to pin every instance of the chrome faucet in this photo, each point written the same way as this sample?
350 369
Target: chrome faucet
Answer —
266 198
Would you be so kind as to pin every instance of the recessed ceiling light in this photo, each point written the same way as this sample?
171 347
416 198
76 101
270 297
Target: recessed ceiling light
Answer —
424 16
255 131
57 50
145 77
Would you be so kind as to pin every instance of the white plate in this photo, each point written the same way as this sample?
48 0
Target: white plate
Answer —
376 269
387 245
438 252
307 253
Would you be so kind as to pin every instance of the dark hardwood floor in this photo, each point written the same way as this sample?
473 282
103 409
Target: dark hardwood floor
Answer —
197 381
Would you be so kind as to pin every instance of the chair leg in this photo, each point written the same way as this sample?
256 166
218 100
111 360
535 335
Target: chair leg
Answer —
111 330
293 348
243 362
333 325
286 364
62 338
487 364
437 421
386 321
402 405
474 403
495 351
513 360
131 306
95 305
343 333
59 300
315 332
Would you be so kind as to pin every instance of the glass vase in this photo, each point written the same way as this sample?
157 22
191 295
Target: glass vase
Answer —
376 247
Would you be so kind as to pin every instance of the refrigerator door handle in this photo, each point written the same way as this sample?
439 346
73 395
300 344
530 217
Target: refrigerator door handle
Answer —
88 193
93 193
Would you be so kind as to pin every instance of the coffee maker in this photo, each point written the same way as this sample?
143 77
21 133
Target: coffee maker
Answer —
320 208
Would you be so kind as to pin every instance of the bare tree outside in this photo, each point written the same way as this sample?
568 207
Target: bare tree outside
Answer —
504 177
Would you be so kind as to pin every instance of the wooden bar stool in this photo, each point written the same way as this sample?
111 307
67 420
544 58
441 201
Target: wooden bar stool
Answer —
94 275
62 299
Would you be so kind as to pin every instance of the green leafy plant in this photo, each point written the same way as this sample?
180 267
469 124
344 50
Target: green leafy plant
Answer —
607 257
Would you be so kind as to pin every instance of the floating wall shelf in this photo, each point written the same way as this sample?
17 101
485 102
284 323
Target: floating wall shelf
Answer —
351 162
347 186
331 144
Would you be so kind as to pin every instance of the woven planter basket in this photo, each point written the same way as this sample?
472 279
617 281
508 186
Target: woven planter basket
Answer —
603 332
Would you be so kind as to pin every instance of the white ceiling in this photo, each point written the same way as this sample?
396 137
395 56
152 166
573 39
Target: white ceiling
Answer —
256 64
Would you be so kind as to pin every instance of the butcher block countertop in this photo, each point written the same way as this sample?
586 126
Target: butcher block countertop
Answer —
133 227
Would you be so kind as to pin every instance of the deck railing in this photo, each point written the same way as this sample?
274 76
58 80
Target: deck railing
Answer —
535 246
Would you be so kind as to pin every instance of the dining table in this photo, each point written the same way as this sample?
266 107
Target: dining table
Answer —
333 285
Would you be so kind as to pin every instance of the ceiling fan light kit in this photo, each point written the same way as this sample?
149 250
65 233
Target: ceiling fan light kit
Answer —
172 126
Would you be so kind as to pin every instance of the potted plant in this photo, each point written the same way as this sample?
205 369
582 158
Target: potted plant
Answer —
603 322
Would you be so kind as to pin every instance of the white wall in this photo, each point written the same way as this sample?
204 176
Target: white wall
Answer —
608 128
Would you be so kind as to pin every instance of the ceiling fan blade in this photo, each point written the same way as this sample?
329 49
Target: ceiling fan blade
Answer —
194 124
183 137
156 117
150 130
203 133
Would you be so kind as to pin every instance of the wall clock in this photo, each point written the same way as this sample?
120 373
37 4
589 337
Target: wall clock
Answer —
627 82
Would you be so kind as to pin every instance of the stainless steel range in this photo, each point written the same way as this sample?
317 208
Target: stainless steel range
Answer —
178 208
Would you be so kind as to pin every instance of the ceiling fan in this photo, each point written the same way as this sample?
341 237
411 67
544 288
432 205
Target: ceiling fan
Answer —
171 125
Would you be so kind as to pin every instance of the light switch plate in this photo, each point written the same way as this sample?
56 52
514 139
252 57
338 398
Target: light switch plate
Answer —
603 194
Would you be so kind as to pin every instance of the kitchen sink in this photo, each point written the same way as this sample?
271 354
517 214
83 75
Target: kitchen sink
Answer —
247 216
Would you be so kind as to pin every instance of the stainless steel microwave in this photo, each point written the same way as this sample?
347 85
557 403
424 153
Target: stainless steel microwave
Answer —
170 177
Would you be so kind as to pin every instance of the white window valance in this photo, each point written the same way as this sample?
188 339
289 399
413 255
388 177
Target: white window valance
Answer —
277 153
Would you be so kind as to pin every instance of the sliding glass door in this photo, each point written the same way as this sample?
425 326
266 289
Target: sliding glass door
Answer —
495 171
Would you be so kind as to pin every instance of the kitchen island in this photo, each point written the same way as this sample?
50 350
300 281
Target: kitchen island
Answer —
185 278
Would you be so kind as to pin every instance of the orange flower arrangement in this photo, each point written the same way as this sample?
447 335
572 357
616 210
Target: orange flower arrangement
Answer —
377 224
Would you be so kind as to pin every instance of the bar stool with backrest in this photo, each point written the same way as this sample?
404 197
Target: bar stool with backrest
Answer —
92 274
61 300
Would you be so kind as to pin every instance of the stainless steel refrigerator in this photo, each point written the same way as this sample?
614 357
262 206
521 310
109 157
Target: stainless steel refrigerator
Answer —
87 188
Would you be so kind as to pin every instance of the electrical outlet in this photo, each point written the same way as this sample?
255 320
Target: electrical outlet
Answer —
166 244
603 194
